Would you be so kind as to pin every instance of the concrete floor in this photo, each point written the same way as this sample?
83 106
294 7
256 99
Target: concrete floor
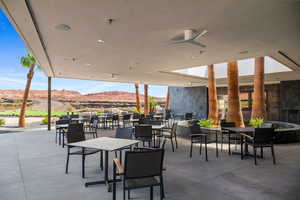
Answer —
32 168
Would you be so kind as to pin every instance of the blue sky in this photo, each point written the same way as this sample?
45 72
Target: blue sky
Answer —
13 75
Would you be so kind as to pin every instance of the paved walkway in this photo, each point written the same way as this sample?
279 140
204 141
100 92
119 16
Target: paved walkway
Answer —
32 168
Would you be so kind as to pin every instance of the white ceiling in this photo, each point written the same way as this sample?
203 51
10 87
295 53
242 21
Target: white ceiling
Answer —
137 46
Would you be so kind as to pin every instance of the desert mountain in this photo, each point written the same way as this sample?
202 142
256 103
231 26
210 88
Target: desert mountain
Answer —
111 96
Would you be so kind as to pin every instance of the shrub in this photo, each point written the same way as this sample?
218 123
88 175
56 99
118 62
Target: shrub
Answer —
256 122
2 122
45 120
207 123
135 111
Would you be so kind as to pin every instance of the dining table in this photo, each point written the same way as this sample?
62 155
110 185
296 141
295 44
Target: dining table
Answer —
106 144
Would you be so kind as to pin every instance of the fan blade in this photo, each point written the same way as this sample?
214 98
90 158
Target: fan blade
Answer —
196 37
180 42
197 43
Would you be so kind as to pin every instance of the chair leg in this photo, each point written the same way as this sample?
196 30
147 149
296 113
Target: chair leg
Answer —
254 150
222 140
83 164
206 157
200 150
229 148
67 163
273 155
162 187
101 160
124 192
128 194
172 144
242 149
151 193
191 149
56 137
262 152
176 141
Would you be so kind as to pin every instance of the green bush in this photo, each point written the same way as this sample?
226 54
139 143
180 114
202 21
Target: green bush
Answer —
2 122
256 122
135 111
45 120
207 123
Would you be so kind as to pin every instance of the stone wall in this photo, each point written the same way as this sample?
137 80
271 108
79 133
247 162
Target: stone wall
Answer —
189 99
290 101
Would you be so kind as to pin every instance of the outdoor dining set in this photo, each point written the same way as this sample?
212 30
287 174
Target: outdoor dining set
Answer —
142 139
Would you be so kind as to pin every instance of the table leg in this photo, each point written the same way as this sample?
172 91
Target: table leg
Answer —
217 150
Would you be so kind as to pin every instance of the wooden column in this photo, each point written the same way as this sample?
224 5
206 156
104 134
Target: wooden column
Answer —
137 96
146 102
49 103
234 113
213 113
167 105
258 105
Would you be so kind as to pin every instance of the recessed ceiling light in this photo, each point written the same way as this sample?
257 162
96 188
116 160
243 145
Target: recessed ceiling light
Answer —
100 41
63 27
243 52
87 64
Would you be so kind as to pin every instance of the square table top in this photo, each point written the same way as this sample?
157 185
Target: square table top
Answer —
105 143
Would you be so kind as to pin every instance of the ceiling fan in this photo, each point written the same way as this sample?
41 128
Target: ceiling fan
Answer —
190 37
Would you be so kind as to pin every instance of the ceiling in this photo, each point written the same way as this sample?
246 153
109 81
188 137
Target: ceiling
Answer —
137 44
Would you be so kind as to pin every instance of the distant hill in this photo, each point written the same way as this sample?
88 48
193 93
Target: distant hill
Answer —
110 96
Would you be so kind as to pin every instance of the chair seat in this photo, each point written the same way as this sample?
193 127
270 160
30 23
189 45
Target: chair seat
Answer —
141 182
87 151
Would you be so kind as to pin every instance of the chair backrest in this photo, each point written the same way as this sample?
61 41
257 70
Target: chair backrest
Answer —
264 135
115 117
142 164
188 116
124 133
143 131
62 121
195 129
153 122
174 128
126 117
227 124
75 133
74 116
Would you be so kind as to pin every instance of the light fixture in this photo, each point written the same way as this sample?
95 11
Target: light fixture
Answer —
100 41
243 52
113 76
88 64
63 27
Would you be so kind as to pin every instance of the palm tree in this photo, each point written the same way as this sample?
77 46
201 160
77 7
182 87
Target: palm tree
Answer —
29 62
146 102
167 105
234 113
258 106
213 113
137 96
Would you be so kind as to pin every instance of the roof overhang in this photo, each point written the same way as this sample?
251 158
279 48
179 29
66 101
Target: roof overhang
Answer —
137 45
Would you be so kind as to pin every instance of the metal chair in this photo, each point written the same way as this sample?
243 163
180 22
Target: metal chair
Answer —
142 169
144 133
231 136
60 131
197 137
170 134
75 133
262 138
126 120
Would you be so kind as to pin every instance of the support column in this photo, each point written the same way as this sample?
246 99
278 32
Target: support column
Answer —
213 113
258 105
146 102
49 103
234 113
167 105
137 97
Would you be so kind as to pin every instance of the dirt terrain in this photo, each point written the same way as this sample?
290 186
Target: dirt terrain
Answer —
111 96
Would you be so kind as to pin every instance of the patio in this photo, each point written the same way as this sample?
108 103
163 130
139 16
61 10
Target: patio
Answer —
32 167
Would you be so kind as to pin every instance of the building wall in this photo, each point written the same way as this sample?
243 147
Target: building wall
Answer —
189 99
290 101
